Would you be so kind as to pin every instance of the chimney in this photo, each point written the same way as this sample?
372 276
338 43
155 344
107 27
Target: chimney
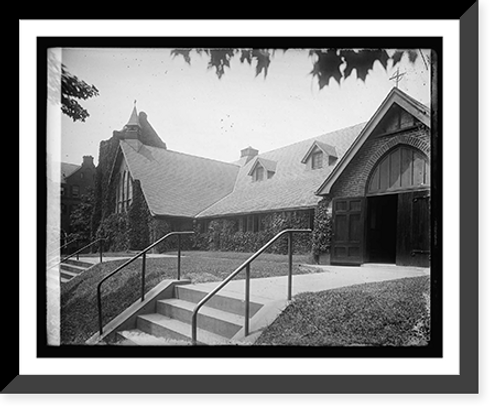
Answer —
88 161
249 153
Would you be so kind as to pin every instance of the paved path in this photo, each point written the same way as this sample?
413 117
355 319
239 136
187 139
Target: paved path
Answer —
272 292
275 288
95 259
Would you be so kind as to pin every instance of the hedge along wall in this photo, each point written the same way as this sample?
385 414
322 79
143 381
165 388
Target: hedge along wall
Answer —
223 234
159 227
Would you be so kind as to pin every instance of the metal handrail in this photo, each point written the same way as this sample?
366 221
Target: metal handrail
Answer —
246 265
78 252
143 254
61 247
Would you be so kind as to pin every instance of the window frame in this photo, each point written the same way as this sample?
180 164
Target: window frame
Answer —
259 173
316 160
75 190
124 192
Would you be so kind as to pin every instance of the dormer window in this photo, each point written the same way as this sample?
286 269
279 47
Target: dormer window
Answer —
262 169
259 174
317 160
319 155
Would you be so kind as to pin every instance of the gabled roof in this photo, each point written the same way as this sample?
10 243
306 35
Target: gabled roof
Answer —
67 169
395 96
269 165
292 186
326 148
177 184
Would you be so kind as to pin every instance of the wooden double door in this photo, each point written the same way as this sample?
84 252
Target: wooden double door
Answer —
388 228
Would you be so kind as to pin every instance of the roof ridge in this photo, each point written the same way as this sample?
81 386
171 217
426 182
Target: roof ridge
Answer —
315 138
201 157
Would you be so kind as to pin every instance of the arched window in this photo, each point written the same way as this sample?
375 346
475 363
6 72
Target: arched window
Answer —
124 192
400 169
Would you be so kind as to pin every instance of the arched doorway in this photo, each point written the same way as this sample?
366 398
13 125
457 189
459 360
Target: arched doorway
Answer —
397 218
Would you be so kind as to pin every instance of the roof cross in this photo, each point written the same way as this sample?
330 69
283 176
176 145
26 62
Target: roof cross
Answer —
397 77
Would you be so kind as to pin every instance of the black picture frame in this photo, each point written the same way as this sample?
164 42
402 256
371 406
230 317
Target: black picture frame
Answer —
466 382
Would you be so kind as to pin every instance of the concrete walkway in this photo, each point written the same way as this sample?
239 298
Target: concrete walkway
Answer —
271 292
275 288
96 259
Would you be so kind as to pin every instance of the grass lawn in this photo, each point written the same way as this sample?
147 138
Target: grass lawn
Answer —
79 317
390 313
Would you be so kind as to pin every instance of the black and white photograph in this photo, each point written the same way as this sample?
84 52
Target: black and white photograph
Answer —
242 197
263 214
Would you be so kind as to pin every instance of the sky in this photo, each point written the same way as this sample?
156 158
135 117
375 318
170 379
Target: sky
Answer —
195 112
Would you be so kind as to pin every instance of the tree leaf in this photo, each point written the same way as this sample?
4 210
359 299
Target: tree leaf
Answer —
263 61
71 88
396 57
412 55
185 53
246 55
220 59
363 61
327 66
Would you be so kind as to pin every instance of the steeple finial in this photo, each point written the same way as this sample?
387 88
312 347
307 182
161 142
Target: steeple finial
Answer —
397 77
134 119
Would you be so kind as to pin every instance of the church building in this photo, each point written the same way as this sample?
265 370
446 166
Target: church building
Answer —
373 177
380 191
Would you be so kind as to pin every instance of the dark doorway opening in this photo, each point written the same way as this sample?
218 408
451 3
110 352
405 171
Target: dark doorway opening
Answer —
382 214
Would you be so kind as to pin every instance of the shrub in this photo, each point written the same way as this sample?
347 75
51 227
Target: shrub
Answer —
113 231
322 232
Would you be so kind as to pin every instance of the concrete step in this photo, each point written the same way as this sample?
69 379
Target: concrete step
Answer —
78 263
219 301
72 268
210 319
138 337
68 275
161 326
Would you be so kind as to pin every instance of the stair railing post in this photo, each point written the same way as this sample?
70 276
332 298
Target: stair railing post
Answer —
178 257
194 325
100 250
290 254
247 300
143 275
99 308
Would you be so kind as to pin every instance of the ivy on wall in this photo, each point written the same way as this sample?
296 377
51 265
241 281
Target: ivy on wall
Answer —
113 231
120 231
102 204
224 235
138 218
137 228
323 228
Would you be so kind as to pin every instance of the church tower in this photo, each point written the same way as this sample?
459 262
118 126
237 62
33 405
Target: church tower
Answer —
139 128
132 128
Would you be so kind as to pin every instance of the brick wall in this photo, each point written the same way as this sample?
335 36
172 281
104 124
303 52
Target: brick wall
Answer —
74 187
352 182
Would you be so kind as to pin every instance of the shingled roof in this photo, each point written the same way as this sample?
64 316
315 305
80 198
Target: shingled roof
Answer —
291 187
67 169
178 184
